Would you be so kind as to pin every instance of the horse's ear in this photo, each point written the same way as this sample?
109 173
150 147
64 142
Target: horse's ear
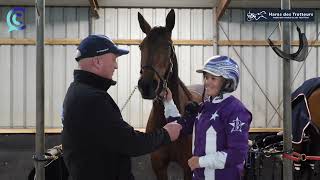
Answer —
144 25
170 20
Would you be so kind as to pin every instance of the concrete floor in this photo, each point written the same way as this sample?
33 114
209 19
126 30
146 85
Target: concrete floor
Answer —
16 161
141 168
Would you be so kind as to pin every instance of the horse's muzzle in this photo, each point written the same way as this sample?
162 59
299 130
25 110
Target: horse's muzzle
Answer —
148 88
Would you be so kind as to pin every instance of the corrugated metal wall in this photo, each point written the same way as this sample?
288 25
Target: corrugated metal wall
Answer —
264 65
123 24
17 66
17 63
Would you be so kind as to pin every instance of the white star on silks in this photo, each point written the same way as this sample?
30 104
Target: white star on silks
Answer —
198 116
214 116
237 125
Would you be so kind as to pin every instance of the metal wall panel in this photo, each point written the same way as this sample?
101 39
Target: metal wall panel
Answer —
264 65
123 24
18 65
261 69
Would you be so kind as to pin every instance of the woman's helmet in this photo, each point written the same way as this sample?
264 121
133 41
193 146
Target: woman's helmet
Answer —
223 66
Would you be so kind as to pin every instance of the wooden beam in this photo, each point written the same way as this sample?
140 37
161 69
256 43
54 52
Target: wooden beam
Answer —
261 43
94 6
58 130
7 41
33 42
127 41
221 8
175 42
119 42
261 130
193 42
29 131
4 41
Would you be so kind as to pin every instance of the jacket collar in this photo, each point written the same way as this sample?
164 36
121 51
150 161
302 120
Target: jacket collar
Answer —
93 80
218 99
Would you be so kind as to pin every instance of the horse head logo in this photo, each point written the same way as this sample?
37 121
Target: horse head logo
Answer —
256 16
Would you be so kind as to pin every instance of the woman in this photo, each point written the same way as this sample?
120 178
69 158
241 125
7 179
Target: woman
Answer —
220 125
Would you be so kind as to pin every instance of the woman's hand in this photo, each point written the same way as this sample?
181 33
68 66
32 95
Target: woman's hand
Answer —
193 163
167 95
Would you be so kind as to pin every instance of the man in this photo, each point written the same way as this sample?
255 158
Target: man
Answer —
97 142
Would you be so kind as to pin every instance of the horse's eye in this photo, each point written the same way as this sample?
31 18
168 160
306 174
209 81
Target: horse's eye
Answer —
140 71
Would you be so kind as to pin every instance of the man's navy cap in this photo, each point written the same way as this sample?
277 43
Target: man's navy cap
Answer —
97 45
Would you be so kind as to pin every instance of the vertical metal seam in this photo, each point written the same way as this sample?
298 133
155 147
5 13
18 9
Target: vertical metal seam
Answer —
117 36
24 79
266 25
11 84
51 70
192 48
128 57
65 47
90 24
24 87
241 55
254 88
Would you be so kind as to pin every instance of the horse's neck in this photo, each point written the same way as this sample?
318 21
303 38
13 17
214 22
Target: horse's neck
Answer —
180 94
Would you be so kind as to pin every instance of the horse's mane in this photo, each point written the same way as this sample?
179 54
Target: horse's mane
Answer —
175 81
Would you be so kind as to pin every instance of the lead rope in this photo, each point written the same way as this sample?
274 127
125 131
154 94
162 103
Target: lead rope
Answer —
134 89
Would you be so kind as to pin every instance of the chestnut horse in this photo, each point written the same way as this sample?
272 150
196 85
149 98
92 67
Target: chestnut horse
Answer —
159 69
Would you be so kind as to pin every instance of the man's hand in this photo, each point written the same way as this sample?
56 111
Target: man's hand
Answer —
173 130
193 163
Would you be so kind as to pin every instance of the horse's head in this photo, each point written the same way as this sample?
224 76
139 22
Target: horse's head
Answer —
157 57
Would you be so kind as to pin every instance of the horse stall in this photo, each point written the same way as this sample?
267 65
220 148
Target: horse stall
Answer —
203 28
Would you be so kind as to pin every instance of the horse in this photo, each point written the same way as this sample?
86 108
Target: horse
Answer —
305 132
159 70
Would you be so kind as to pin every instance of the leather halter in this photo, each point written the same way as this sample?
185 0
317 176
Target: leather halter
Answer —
163 79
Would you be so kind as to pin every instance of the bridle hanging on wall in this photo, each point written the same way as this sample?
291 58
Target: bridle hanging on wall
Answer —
301 53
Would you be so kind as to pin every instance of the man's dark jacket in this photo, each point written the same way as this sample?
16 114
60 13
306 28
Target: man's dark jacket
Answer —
97 142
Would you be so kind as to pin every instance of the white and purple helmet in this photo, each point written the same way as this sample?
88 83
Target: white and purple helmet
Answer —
223 66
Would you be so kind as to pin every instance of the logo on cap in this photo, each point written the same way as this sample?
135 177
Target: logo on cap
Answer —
102 50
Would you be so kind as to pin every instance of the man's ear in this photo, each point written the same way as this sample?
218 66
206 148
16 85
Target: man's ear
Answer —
95 62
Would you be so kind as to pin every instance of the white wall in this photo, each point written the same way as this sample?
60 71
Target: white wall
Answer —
123 24
17 66
17 62
264 65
